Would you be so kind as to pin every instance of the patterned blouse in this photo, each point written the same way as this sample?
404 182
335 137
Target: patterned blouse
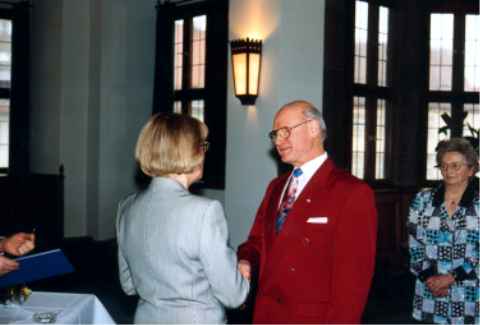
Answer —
440 244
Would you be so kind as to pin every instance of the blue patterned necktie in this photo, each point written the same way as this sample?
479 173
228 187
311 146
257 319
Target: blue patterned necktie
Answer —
288 199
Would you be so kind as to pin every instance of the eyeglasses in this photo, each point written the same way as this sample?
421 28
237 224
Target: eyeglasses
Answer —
205 145
455 166
283 132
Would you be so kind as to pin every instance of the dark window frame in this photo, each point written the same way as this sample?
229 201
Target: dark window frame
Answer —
372 92
216 73
18 94
408 73
456 97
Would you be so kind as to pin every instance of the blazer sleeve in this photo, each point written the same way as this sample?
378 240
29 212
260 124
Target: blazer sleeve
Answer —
123 269
219 260
251 249
354 257
420 266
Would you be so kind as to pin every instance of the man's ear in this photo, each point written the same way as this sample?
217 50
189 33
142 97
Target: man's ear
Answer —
314 128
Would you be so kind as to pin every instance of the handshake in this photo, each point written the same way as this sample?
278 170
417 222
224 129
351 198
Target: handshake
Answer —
245 269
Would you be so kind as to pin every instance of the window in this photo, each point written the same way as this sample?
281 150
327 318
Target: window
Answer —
399 77
435 123
189 65
5 77
454 80
14 85
370 90
193 37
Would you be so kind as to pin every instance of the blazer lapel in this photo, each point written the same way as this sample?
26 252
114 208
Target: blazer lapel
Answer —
273 210
318 182
315 188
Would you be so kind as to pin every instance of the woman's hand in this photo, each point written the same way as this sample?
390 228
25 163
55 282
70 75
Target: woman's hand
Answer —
245 269
18 244
7 265
439 284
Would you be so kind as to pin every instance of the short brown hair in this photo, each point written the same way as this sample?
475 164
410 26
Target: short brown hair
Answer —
460 145
170 144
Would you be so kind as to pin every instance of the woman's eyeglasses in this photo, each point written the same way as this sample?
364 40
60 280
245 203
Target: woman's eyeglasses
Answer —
205 145
455 166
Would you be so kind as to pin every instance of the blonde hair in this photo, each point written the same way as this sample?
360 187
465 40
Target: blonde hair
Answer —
170 144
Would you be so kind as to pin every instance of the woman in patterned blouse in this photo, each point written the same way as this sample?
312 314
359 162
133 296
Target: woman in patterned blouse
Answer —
443 227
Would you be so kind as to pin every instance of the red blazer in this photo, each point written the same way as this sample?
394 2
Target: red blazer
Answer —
314 272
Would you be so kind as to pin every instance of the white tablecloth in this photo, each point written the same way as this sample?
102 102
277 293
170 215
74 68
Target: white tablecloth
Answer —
70 308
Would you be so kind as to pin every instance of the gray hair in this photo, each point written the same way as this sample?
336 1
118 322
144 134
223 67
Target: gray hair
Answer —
312 113
460 145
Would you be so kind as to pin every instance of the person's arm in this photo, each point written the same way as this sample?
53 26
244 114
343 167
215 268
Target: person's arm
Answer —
420 265
354 257
249 252
470 268
123 269
440 283
7 265
219 260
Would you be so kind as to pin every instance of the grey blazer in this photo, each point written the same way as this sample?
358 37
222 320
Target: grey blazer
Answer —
173 253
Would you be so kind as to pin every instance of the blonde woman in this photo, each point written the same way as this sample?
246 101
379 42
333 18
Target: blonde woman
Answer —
173 248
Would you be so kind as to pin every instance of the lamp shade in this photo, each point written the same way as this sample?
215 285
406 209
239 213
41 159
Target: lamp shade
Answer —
246 66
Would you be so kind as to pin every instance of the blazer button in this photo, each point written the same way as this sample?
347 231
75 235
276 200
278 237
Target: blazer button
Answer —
308 200
292 269
306 241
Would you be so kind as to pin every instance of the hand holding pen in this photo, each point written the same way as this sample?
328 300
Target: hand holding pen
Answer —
18 244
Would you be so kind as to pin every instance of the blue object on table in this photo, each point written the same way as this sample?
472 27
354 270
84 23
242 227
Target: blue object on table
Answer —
37 266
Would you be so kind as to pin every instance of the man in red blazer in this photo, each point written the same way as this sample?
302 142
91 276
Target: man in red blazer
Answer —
315 265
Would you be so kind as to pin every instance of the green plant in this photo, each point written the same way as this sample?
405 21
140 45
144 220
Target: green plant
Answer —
474 133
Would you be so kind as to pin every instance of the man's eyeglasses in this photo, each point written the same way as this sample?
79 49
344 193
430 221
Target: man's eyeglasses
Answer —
283 132
205 145
455 166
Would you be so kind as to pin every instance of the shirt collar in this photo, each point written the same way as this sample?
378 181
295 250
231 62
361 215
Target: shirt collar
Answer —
310 167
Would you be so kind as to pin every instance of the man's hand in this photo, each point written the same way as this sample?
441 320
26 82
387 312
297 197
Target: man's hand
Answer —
19 244
7 265
245 269
439 284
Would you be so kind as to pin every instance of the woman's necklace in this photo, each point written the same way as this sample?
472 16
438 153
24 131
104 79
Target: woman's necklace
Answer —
452 202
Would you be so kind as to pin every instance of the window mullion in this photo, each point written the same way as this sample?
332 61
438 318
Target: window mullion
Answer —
371 118
458 53
457 118
458 73
372 48
372 76
186 72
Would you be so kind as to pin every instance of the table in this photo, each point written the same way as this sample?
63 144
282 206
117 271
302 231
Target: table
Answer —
69 308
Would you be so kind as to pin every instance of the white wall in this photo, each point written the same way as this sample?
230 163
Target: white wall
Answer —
92 85
292 68
126 93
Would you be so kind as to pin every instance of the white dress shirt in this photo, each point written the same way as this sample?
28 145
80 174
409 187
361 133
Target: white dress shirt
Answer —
308 169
